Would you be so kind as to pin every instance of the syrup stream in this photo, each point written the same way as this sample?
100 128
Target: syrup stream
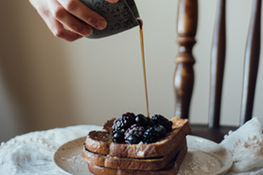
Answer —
143 64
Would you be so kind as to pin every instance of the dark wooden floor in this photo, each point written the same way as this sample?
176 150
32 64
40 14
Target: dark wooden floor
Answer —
214 134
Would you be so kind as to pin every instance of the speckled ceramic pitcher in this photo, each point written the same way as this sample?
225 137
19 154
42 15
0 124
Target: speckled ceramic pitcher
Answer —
120 16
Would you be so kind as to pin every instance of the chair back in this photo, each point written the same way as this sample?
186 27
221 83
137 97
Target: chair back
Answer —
187 20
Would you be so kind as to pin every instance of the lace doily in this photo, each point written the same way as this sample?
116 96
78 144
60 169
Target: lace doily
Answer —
32 153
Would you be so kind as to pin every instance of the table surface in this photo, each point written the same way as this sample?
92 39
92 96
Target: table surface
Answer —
32 153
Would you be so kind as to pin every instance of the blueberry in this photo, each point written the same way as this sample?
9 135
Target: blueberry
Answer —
161 130
141 119
133 139
118 136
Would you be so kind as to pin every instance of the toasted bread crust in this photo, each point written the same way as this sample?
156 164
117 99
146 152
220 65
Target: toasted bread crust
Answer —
171 169
100 142
131 163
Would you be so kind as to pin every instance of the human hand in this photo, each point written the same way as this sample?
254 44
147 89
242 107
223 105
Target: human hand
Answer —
72 14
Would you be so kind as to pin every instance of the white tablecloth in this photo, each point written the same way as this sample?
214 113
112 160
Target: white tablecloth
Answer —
32 153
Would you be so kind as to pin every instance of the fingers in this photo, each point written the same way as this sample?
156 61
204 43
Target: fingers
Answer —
53 24
82 12
68 20
59 31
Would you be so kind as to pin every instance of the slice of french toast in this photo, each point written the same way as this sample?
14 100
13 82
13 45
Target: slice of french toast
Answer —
131 163
100 142
171 169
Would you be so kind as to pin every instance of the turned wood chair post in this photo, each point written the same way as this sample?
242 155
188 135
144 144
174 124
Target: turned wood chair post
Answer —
184 73
251 63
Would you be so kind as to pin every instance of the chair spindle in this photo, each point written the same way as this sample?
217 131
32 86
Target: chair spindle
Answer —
184 73
251 63
217 65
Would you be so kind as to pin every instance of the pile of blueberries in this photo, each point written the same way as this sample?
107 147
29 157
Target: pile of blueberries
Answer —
133 129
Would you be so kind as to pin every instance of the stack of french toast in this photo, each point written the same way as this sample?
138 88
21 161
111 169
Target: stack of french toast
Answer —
128 145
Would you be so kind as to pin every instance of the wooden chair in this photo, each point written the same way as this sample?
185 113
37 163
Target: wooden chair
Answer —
186 29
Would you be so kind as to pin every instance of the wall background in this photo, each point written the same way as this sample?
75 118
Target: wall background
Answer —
46 82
